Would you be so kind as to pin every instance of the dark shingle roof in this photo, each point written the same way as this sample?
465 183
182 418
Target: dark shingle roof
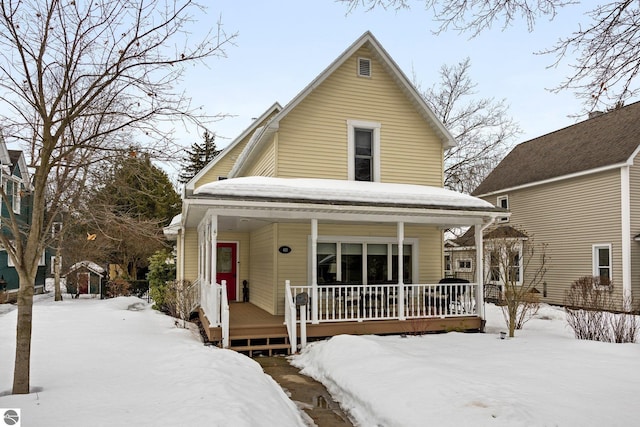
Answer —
604 140
498 232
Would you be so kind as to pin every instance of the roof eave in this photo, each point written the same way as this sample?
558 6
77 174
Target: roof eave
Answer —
552 180
190 186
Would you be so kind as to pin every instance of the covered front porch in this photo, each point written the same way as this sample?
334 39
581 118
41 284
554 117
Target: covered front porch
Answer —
344 257
253 331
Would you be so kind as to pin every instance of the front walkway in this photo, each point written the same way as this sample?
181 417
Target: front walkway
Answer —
308 394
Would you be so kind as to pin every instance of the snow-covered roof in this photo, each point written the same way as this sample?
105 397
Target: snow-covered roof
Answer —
171 231
89 265
274 108
330 190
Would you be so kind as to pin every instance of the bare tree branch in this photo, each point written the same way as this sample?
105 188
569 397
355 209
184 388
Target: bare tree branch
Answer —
481 126
79 82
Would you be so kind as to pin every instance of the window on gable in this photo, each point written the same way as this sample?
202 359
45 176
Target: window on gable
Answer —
13 191
364 155
503 202
56 229
602 262
464 265
363 151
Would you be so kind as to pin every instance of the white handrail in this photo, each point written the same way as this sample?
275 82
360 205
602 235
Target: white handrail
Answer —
224 314
210 302
290 316
357 302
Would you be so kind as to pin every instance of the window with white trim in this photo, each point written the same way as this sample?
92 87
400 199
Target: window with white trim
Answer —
503 202
464 265
602 262
363 150
41 261
447 264
13 190
362 261
56 228
502 268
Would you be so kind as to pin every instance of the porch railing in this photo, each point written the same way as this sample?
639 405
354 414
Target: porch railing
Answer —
341 303
210 301
215 304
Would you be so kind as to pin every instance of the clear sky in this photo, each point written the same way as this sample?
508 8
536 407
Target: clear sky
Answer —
283 45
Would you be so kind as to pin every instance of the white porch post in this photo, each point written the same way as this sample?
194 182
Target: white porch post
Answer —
214 247
314 271
206 235
401 312
479 272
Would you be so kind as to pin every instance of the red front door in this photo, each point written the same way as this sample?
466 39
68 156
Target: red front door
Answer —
226 267
83 283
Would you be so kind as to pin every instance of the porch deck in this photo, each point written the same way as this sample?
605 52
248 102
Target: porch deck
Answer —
254 331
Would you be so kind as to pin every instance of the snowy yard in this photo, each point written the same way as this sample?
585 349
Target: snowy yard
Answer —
117 362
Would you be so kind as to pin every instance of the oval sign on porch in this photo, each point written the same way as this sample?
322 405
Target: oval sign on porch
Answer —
284 249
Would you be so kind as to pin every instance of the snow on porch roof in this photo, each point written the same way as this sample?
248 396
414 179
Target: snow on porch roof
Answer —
338 191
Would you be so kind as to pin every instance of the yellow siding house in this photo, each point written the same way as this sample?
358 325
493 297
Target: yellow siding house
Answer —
326 216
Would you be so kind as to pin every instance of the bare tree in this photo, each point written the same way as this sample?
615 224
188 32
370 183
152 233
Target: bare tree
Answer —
608 46
78 80
519 265
481 126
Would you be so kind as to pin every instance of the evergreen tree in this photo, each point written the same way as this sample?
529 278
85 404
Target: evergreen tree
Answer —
137 188
198 157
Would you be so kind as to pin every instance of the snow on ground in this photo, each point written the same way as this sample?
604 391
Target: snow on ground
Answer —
542 377
119 363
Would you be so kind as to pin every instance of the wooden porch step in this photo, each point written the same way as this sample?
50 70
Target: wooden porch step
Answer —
256 345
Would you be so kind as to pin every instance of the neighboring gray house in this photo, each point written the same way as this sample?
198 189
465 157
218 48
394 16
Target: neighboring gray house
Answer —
578 191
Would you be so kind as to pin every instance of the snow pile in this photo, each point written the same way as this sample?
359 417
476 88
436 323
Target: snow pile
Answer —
117 363
341 191
542 377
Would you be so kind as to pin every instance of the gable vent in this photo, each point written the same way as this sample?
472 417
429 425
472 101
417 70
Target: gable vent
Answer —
364 67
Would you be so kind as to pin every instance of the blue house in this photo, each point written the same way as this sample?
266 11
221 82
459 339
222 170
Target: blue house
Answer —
16 183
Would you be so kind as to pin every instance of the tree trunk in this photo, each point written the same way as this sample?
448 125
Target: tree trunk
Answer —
23 337
56 269
513 312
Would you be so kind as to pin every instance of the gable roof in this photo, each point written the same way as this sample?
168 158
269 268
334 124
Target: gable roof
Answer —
275 107
499 232
390 66
89 265
609 140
